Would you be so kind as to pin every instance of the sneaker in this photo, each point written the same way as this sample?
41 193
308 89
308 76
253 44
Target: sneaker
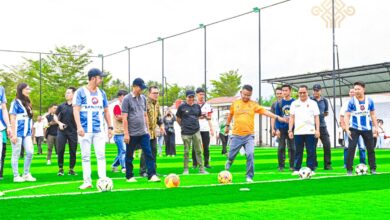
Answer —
1 194
85 186
203 172
72 173
208 166
291 168
19 179
131 180
115 169
143 174
295 173
123 170
249 180
48 162
281 169
154 178
373 172
29 178
328 168
349 173
60 172
185 172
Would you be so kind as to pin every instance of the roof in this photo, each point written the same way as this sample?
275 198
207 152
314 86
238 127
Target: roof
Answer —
222 101
375 76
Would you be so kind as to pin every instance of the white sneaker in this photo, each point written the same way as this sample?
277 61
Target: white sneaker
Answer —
185 172
249 180
131 180
29 178
85 186
19 179
295 173
48 162
154 178
123 170
1 194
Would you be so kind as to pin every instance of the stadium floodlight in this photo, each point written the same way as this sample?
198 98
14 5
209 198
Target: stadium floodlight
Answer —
202 26
256 9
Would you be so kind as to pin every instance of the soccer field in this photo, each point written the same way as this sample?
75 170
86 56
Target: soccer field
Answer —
274 194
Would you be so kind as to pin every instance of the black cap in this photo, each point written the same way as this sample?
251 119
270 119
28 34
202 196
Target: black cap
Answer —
122 92
317 87
95 72
190 93
199 90
139 82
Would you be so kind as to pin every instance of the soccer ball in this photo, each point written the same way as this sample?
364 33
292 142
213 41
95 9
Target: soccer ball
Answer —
104 184
361 169
225 177
172 181
305 173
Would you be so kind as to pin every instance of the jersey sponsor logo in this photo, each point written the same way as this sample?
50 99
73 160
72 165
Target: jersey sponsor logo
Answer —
95 100
362 107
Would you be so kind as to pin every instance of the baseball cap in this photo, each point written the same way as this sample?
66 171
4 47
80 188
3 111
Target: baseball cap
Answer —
139 82
95 72
199 90
317 87
190 93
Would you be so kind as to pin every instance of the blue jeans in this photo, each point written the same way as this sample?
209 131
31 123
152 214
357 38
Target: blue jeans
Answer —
362 150
301 141
160 141
144 141
235 145
120 158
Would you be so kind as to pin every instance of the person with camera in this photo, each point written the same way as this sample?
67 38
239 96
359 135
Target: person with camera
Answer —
170 146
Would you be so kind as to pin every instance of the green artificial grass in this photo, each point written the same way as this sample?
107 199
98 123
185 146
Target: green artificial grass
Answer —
274 195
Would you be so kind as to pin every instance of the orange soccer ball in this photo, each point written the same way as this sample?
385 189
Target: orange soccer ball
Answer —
172 181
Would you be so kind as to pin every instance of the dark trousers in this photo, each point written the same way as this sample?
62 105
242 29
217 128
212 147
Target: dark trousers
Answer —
224 140
2 159
301 141
170 145
153 145
62 138
283 141
144 141
39 141
368 141
324 136
206 151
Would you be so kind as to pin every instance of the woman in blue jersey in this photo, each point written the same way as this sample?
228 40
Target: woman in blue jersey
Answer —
21 115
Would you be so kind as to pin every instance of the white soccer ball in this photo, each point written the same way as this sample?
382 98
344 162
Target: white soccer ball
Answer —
361 169
305 173
104 184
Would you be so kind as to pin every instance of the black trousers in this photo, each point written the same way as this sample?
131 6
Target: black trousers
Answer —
153 145
206 151
170 145
224 140
62 138
324 136
368 139
2 159
283 141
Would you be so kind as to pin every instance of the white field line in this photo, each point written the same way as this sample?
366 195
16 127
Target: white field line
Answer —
140 189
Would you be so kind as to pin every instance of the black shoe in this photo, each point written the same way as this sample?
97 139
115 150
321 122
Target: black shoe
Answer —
208 166
60 172
72 173
328 168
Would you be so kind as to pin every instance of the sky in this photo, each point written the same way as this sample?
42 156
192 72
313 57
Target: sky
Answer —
293 40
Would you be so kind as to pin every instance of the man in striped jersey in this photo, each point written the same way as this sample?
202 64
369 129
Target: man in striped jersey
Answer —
362 111
4 123
90 109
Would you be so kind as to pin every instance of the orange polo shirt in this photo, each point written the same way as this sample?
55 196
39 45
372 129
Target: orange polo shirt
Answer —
244 116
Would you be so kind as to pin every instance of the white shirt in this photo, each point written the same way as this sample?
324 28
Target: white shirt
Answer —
206 110
39 129
304 113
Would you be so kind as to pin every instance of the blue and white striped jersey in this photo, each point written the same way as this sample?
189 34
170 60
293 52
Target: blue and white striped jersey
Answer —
92 109
360 113
23 126
2 101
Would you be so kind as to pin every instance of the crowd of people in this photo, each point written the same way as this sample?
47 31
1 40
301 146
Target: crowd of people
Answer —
137 123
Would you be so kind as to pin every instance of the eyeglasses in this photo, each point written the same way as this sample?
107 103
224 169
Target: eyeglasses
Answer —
155 93
302 93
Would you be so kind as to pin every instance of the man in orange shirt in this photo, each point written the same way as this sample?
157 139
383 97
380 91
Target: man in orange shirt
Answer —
243 113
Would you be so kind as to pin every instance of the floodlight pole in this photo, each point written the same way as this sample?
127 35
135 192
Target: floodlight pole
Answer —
162 73
260 101
205 62
334 75
128 65
102 57
40 83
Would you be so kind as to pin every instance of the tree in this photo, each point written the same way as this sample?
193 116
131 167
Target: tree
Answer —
229 84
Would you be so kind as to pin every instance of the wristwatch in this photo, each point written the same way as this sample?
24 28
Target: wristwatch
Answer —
110 128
